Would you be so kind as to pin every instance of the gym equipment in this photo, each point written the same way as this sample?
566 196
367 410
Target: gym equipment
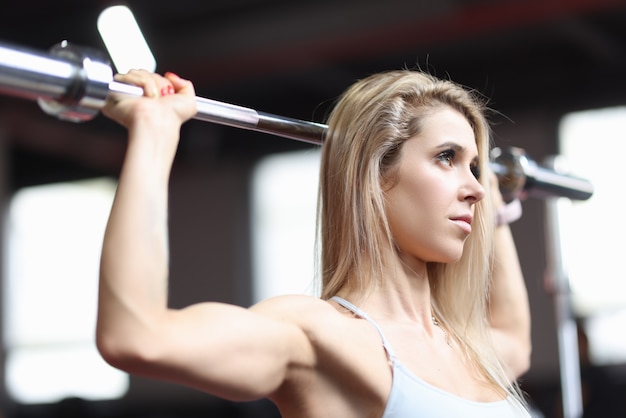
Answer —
72 83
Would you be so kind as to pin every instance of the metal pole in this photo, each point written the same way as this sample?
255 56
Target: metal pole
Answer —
557 282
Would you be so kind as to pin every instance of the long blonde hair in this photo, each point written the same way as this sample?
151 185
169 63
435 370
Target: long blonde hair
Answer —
367 129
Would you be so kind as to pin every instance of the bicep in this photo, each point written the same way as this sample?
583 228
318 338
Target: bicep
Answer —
229 351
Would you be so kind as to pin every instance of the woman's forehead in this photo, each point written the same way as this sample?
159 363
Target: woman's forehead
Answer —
447 127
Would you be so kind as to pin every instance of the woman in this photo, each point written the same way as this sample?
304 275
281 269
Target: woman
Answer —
420 314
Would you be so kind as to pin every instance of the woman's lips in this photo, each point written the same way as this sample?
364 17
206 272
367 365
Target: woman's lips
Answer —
464 222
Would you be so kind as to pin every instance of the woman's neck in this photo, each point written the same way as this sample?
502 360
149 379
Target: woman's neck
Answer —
402 293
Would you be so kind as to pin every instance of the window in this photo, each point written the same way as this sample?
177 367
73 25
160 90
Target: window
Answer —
593 144
284 201
53 237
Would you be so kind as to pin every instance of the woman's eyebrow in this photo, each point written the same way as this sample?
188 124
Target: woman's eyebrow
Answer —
449 144
452 145
456 147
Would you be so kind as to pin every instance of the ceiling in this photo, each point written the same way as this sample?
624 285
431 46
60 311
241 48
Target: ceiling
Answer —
293 58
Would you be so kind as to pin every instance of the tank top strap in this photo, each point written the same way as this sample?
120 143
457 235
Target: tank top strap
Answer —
358 312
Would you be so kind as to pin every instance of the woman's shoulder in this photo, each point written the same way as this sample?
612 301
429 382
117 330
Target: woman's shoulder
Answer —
297 308
325 322
348 352
318 318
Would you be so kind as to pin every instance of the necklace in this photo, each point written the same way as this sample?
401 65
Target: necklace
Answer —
445 333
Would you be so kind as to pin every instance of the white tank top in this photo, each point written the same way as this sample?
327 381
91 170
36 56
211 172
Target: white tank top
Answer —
412 397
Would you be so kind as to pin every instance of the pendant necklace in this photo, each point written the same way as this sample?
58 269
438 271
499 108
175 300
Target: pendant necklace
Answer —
445 333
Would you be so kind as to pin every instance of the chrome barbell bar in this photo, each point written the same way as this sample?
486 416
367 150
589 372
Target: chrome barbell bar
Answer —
72 83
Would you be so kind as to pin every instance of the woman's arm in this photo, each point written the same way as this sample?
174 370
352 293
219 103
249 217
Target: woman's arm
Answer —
226 350
509 311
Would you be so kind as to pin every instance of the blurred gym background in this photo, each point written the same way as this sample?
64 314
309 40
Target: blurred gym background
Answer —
243 202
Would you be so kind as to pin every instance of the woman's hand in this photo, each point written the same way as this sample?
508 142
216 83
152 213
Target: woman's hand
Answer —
168 101
506 212
154 120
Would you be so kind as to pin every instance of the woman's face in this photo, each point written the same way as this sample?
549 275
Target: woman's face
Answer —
431 205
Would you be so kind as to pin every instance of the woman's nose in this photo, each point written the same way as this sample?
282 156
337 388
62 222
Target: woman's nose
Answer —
473 189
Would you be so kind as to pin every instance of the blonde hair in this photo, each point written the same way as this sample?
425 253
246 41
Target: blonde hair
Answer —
367 128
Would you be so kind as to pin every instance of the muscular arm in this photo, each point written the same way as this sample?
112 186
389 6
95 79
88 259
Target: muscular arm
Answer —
508 303
226 350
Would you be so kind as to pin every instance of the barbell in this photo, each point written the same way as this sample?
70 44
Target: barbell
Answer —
72 83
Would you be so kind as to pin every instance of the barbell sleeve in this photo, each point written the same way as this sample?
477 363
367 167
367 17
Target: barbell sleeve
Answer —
519 175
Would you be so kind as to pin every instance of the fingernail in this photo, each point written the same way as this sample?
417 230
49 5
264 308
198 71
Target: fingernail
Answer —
170 89
165 91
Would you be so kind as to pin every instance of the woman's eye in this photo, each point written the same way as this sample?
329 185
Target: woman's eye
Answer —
447 157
